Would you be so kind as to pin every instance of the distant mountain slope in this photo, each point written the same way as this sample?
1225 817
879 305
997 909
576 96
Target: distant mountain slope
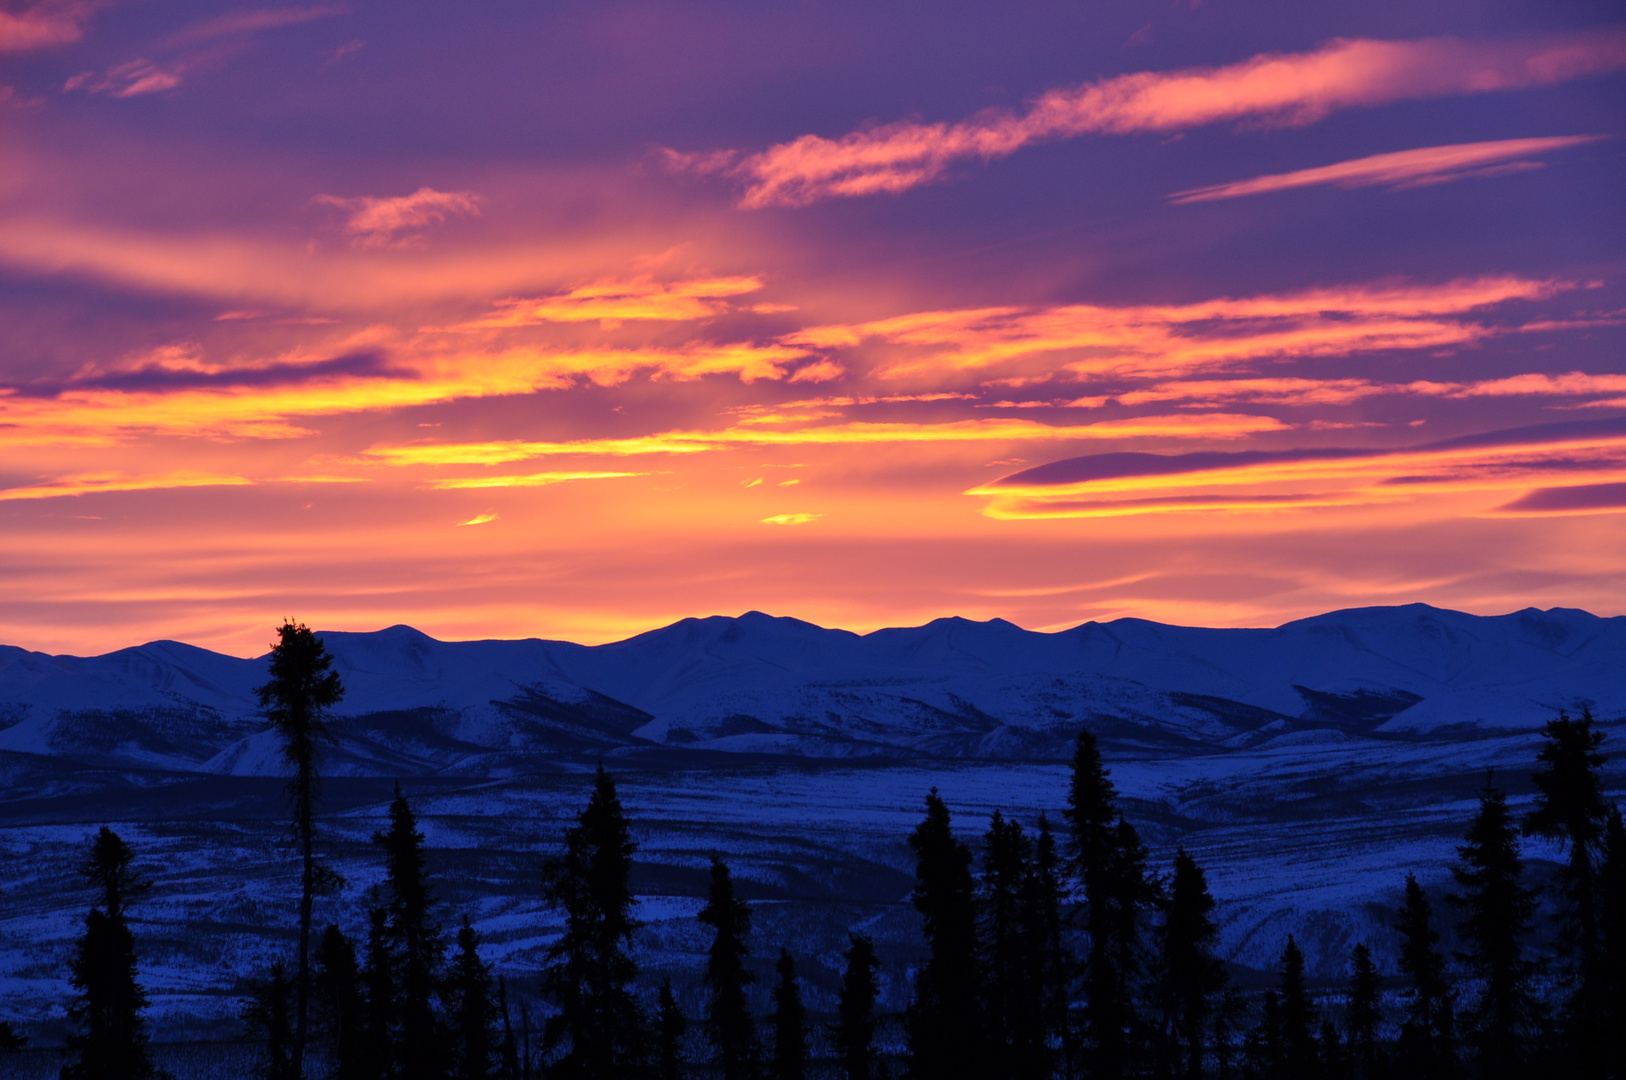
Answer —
759 685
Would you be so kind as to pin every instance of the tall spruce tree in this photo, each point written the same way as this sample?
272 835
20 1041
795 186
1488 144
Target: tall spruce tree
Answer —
1053 965
1263 1053
1497 910
670 1025
1363 1016
1010 1004
302 687
417 949
1190 975
1427 1044
339 1008
269 1015
855 1010
944 1024
1612 930
473 1018
378 1019
1571 809
109 1040
1298 1017
598 1026
733 1032
789 1022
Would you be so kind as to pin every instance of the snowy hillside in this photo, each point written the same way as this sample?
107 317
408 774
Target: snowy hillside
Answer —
760 685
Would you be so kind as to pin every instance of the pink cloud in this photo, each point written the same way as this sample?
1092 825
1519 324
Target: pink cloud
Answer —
1407 168
52 22
376 222
1275 89
128 80
250 22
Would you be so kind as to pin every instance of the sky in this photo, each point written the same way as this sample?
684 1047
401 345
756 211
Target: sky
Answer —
571 320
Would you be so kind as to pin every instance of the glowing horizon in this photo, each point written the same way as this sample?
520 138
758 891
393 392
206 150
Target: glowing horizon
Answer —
653 312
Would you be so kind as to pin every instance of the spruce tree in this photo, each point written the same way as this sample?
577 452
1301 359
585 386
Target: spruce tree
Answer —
378 1021
1263 1052
1231 1011
1427 1046
598 1025
416 947
1190 974
1010 1005
1571 809
339 1008
109 1041
10 1038
1053 963
302 687
944 1024
789 1023
669 1028
1298 1016
1334 1062
1497 911
855 1010
508 1053
1363 1016
270 1017
473 1020
1612 931
733 1032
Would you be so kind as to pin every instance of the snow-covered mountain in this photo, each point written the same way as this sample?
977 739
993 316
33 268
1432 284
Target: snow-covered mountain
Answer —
759 685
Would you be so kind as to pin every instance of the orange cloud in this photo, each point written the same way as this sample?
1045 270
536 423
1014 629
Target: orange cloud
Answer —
1407 168
611 301
542 479
379 222
91 483
44 24
1296 88
1169 339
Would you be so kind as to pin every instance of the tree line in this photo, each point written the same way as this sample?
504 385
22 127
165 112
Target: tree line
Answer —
1048 952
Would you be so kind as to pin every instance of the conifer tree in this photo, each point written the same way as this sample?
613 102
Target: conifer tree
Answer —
1298 1016
855 1010
1263 1051
1053 963
1363 1016
1496 921
1334 1062
590 968
733 1032
270 1015
10 1038
110 1037
1190 973
508 1054
468 990
339 1008
944 1024
1571 809
1427 1046
378 1020
302 687
1612 931
1230 1011
789 1023
669 1028
1010 1005
416 948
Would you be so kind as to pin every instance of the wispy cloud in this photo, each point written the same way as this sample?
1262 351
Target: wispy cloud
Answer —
1487 467
541 479
1272 89
128 80
92 483
1406 168
400 219
612 301
791 519
254 21
43 25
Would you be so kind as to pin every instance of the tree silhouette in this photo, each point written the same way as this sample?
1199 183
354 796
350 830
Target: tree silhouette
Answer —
1190 973
269 1015
1052 962
110 1037
670 1025
1427 1046
1497 918
944 1024
339 1009
733 1033
302 687
1298 1016
1010 1004
789 1022
468 993
855 1010
1612 929
1571 809
379 1005
1363 1016
590 968
509 1068
416 950
10 1037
